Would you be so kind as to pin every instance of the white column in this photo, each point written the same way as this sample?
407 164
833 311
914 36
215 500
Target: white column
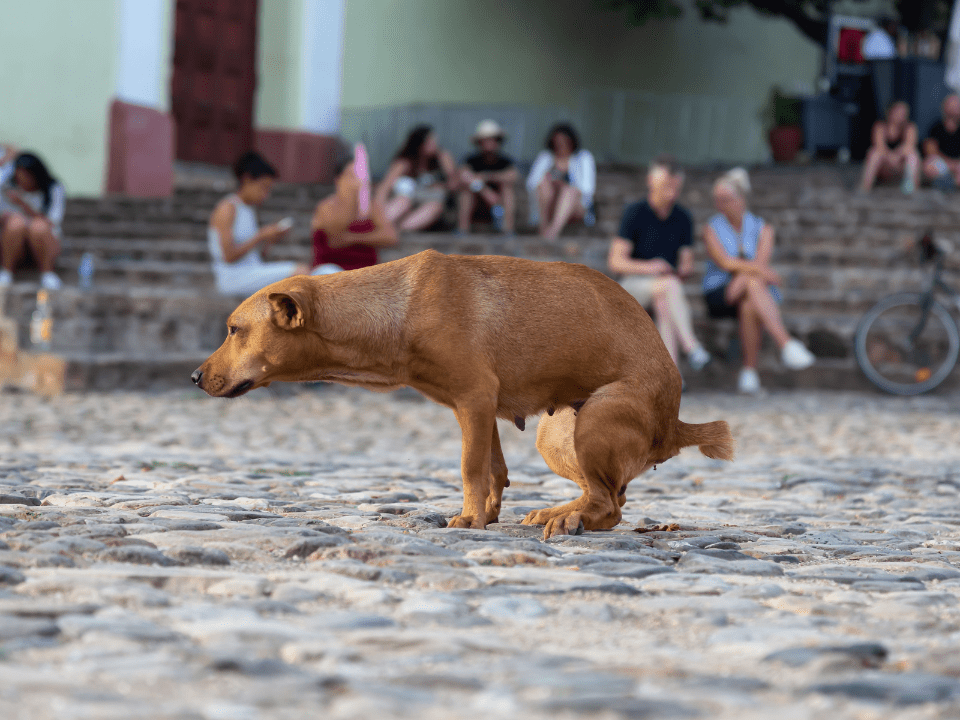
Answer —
142 52
322 69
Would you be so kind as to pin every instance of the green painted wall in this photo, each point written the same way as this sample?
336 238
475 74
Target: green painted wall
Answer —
58 79
546 51
562 53
279 58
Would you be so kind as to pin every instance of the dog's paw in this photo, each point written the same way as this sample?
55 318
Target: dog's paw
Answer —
563 525
538 517
466 521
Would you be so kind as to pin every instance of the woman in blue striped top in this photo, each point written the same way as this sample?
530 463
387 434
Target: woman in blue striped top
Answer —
739 281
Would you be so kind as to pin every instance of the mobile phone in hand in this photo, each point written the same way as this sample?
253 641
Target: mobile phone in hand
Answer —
285 224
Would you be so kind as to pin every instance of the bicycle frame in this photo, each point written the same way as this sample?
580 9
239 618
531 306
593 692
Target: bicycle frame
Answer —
929 296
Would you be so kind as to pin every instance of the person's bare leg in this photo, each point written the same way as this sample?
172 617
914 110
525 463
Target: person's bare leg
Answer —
13 240
568 203
466 204
767 311
750 334
489 195
913 167
509 201
546 197
43 244
871 167
423 216
661 308
679 313
397 207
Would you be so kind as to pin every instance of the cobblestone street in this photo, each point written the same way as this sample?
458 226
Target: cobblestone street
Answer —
284 555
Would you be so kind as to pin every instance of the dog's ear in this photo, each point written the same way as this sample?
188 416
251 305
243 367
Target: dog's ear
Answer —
290 309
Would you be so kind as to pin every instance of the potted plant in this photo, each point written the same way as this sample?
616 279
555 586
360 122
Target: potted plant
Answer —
786 135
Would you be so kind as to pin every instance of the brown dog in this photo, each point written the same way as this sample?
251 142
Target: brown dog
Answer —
488 337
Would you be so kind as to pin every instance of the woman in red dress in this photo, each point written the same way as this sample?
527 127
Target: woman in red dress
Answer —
347 227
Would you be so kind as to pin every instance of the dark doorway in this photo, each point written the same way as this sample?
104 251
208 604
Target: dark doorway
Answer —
214 77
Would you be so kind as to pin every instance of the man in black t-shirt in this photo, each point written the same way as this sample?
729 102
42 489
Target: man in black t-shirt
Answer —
488 176
654 251
941 148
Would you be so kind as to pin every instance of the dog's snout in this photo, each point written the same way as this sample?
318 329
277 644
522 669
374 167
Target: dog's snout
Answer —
197 376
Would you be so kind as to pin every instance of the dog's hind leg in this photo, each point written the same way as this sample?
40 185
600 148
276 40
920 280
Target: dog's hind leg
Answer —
601 448
498 478
555 443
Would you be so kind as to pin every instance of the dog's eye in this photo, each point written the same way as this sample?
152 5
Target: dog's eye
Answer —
232 330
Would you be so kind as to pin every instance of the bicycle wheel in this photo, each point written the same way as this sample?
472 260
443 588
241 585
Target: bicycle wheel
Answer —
903 350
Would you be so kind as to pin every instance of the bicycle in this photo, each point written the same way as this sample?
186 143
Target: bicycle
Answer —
908 343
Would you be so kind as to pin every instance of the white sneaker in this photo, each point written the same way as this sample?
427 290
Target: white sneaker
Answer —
795 356
698 358
6 278
50 281
749 381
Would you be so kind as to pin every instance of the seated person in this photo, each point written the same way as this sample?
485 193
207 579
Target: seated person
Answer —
488 177
941 148
32 204
346 234
894 150
414 190
739 281
561 182
236 240
654 249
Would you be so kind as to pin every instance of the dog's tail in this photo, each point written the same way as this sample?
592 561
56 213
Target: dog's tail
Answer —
713 438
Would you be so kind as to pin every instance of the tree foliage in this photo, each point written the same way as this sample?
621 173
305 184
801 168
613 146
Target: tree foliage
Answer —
809 16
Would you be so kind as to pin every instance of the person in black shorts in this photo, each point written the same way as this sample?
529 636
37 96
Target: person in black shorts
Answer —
488 177
893 152
654 251
941 148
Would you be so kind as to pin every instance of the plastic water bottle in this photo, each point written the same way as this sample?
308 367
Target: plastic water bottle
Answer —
85 271
41 322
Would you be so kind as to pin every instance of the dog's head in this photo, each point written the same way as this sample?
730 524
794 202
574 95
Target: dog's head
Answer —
269 337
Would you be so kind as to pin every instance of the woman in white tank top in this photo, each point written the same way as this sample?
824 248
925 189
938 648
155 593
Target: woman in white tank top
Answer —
236 240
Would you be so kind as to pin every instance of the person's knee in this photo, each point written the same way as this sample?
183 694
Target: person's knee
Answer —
39 229
755 285
668 287
16 224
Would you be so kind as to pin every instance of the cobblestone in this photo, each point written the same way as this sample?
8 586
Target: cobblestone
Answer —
284 555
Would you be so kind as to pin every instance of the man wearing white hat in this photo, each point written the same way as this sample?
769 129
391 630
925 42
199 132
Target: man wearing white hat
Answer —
488 176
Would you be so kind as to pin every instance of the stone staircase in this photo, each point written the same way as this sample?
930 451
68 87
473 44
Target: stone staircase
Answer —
153 313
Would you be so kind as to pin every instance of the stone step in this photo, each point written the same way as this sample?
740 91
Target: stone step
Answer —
131 371
190 317
144 262
118 318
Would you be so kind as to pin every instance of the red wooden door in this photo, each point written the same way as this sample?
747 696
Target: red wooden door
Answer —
214 77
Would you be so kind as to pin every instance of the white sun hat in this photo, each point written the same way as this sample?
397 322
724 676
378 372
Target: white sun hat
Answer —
488 129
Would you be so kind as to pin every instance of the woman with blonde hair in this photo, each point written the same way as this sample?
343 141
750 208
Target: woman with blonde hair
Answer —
739 281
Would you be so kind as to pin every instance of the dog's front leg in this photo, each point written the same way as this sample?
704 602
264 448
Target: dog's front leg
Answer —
477 421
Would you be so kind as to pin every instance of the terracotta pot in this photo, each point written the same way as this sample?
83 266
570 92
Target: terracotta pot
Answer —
785 142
